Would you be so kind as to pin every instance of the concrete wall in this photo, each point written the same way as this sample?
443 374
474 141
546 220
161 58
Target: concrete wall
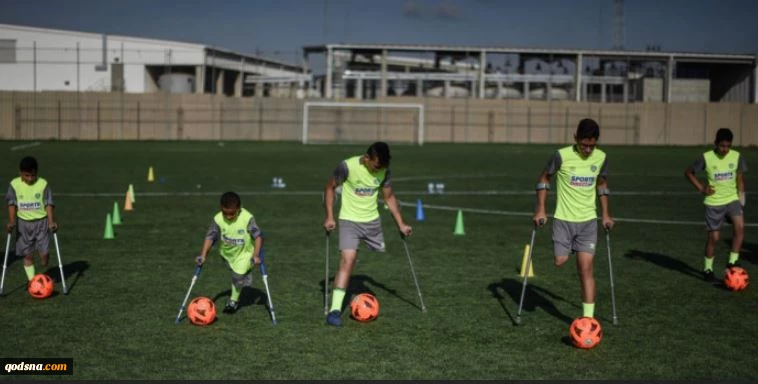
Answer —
691 90
163 116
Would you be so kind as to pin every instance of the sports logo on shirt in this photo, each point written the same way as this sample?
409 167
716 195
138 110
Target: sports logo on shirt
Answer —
232 242
731 165
721 176
593 168
37 195
582 181
364 191
24 206
240 231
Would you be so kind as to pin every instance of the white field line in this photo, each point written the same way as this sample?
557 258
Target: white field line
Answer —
400 193
24 146
409 204
530 214
436 178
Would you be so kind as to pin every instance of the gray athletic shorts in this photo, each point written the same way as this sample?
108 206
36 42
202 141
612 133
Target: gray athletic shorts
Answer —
31 235
577 237
714 215
351 234
240 281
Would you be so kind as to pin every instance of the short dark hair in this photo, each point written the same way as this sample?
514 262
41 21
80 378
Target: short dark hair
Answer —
587 129
231 200
723 134
28 164
380 150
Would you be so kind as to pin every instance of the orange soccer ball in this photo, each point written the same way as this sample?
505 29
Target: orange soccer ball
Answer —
736 279
364 307
201 311
40 286
585 332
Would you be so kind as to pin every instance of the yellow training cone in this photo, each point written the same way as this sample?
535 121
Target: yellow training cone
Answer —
150 175
131 193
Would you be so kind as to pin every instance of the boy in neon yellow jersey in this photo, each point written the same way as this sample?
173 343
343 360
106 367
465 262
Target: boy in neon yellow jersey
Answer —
580 171
241 242
724 195
361 177
32 213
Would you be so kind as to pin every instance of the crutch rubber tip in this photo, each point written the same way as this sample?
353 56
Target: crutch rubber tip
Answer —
518 320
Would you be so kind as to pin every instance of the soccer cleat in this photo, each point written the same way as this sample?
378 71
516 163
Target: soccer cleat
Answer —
231 307
333 318
735 264
708 275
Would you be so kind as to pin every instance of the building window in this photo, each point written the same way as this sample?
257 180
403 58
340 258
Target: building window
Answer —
7 51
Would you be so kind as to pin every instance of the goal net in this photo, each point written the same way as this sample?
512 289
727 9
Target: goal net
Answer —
341 122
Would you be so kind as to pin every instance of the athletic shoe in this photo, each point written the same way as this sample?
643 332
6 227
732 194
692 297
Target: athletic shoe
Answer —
708 275
735 264
231 307
333 318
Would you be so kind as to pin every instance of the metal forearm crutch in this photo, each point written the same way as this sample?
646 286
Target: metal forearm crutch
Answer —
5 261
413 272
60 264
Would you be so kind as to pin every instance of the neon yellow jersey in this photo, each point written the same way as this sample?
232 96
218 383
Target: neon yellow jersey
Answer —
30 199
576 182
722 177
360 191
234 236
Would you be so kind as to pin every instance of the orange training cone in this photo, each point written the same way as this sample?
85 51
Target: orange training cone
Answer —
128 202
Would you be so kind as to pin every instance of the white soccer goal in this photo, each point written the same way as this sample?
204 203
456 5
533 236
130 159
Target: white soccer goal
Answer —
362 122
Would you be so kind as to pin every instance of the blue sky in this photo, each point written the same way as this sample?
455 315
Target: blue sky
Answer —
280 28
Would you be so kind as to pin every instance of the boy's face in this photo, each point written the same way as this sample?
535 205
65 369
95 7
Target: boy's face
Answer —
230 214
372 164
722 147
29 177
586 146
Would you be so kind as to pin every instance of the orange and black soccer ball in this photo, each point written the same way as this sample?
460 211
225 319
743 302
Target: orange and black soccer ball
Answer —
364 307
585 332
40 286
201 311
736 279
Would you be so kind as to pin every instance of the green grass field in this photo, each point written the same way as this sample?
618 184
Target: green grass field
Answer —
118 319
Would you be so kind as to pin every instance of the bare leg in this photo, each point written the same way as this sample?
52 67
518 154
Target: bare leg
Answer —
560 260
44 258
347 262
584 266
738 224
710 245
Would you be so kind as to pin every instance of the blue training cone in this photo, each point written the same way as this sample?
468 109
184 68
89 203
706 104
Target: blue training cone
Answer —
419 211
